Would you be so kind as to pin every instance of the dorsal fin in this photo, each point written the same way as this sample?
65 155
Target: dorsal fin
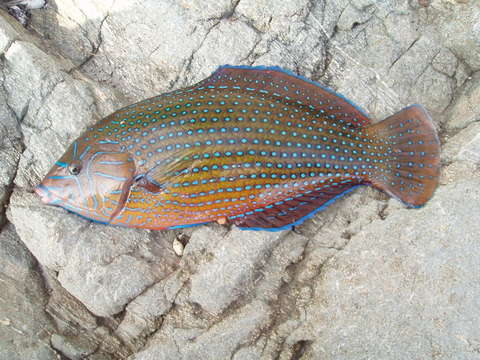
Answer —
274 81
285 214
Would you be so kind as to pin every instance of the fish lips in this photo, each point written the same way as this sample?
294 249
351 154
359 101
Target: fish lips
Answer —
45 195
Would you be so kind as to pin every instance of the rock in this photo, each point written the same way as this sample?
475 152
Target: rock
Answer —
412 286
72 348
141 52
460 30
231 333
274 17
461 154
59 21
10 151
7 33
365 276
11 145
111 286
445 62
143 315
466 109
464 146
471 150
42 230
232 267
221 46
24 326
218 342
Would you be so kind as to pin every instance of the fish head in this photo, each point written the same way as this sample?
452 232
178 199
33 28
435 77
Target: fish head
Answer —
90 180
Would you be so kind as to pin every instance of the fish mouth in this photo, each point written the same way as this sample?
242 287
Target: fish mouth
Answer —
45 195
49 198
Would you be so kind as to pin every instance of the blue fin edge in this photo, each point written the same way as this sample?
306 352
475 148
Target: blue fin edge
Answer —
306 217
288 72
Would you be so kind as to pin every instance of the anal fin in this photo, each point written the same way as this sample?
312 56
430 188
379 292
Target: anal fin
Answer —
285 214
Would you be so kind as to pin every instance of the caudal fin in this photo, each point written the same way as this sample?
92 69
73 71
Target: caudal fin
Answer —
411 170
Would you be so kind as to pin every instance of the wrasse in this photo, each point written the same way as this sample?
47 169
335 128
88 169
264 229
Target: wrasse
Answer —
259 147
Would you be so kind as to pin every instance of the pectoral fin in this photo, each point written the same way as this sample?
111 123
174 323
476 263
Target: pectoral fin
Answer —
161 176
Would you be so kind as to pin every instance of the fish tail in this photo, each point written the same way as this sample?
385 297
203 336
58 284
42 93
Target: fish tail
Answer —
410 169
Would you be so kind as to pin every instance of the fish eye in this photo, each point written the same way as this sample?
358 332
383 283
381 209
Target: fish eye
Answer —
74 169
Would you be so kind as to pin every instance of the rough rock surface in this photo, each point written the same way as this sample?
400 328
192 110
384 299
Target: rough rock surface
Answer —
366 278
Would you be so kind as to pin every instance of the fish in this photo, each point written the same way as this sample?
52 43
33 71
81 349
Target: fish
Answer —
258 147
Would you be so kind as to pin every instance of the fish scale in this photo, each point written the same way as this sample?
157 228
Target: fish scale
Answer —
259 146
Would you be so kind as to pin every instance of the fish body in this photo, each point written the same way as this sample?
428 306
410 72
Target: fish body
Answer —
260 147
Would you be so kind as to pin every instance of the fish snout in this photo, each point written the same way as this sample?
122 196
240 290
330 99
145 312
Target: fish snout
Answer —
45 196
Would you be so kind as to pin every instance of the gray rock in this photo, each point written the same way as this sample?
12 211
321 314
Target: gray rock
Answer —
10 151
80 24
42 95
218 342
144 314
471 150
459 30
24 326
43 230
464 146
415 288
466 109
11 145
230 334
72 348
231 270
138 61
7 34
167 351
221 46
